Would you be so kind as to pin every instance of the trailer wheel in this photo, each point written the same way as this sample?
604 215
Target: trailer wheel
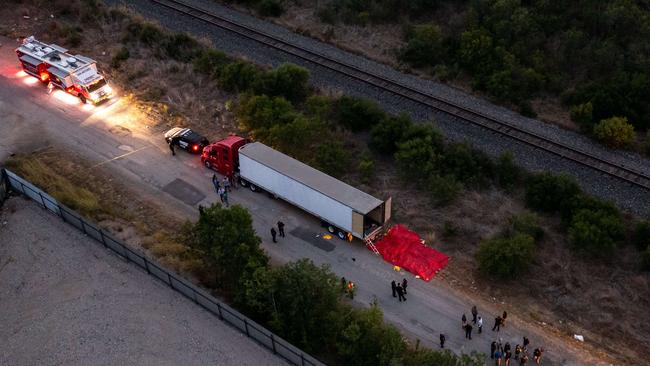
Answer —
253 187
331 229
243 183
82 99
208 165
341 235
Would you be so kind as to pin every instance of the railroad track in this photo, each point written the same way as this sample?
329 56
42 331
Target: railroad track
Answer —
584 158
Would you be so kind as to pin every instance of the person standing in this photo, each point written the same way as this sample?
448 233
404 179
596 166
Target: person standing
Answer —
442 340
493 348
225 198
468 331
524 360
226 184
351 289
235 179
281 228
497 324
393 287
506 348
474 314
171 147
503 318
344 282
526 343
404 284
215 183
463 321
400 293
480 325
221 191
537 355
507 356
273 233
498 355
517 352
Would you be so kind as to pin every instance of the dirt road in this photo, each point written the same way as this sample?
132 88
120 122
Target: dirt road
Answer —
115 137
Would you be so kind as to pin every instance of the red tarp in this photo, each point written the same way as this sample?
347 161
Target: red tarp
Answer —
404 248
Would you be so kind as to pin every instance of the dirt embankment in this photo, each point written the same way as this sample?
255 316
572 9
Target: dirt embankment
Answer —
563 292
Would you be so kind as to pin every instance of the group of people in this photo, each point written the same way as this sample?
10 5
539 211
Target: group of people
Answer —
399 289
503 354
280 231
222 188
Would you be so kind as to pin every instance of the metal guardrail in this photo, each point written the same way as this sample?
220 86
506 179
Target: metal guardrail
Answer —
263 336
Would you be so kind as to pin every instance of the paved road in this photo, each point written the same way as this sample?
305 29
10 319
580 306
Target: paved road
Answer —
140 158
66 300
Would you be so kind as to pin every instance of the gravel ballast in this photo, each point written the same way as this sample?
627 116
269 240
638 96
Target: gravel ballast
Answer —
628 197
66 300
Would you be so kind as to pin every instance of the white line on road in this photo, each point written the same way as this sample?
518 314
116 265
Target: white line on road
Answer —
119 157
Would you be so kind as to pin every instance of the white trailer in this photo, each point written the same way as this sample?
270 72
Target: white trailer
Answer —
343 209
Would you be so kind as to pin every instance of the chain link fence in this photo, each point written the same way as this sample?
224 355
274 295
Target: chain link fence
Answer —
10 181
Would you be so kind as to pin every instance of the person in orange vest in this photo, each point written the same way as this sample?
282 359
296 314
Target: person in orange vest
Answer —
351 289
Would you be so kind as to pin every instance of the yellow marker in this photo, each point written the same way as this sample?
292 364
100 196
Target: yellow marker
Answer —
327 237
397 268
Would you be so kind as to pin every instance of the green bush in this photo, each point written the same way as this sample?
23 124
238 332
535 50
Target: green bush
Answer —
467 165
366 168
425 131
181 47
332 158
295 138
443 189
270 8
148 33
424 46
210 62
508 174
122 55
319 107
259 113
596 232
506 257
385 135
287 80
238 76
641 235
358 114
615 132
416 158
526 223
551 193
582 114
646 145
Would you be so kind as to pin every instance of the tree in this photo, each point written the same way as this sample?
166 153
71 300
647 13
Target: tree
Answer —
297 137
385 135
582 114
238 76
228 242
550 193
416 158
526 223
358 114
506 257
287 80
299 299
259 113
210 62
424 46
615 132
332 158
595 232
366 340
466 164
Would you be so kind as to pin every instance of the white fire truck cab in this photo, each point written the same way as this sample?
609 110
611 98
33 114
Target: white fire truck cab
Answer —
52 64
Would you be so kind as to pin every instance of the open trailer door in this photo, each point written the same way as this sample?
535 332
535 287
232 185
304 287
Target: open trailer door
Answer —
387 207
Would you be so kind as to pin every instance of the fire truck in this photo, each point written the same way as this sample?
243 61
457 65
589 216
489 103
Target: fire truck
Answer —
52 64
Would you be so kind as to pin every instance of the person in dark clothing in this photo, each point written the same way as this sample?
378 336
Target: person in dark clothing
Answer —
344 283
493 348
474 314
404 284
273 234
215 182
463 321
526 343
468 330
393 287
537 355
400 292
497 324
503 318
171 147
524 360
517 352
507 355
442 340
506 348
281 228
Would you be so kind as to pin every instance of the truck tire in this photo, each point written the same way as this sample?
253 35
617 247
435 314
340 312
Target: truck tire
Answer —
243 183
253 188
342 235
208 165
82 99
331 229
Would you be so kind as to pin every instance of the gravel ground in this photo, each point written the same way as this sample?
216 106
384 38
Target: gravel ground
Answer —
631 198
65 300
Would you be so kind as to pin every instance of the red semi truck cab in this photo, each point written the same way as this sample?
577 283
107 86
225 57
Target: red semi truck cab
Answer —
223 156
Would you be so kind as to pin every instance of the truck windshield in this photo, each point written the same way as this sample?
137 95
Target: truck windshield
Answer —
96 85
